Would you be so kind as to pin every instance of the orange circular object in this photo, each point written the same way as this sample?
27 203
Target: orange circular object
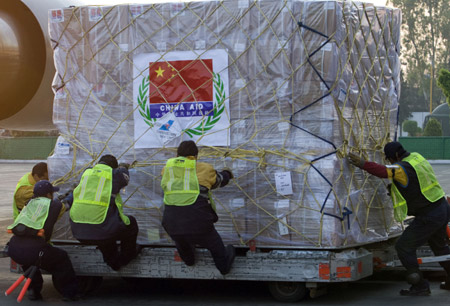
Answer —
22 57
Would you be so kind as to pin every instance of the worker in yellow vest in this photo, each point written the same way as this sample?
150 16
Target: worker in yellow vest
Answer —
32 231
24 188
96 215
189 213
416 192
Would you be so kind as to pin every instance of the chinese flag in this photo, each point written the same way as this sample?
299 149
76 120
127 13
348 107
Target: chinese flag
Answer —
181 81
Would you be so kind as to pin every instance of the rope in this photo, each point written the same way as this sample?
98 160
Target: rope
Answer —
308 82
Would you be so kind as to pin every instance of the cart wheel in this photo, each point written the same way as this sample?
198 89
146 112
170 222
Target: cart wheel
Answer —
288 291
86 284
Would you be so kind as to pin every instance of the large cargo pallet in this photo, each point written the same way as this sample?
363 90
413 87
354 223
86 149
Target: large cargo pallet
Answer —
290 274
273 265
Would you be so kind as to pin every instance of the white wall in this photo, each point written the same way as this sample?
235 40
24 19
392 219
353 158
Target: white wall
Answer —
419 117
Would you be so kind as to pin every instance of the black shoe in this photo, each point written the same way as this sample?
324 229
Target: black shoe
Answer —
190 263
72 298
445 285
34 295
231 254
417 290
138 249
114 265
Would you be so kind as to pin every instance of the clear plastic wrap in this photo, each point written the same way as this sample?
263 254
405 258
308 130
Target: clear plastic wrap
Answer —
308 81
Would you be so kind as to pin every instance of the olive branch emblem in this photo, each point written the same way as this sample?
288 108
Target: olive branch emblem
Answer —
142 100
205 125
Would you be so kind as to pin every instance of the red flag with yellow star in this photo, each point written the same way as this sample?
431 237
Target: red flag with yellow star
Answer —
181 81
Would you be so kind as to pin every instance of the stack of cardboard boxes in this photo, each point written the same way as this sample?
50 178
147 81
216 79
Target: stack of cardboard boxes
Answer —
308 81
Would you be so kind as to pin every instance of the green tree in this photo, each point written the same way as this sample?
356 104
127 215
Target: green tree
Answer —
410 101
425 44
444 83
433 128
411 127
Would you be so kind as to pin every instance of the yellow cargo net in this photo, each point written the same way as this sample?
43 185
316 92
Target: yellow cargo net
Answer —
306 82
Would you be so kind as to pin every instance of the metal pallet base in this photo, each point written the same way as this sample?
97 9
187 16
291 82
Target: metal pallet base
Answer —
275 265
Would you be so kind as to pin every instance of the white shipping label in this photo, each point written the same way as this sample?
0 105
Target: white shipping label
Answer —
200 44
284 230
283 126
283 183
327 47
239 47
123 47
242 4
282 43
95 14
167 128
282 204
239 83
136 10
56 16
237 203
98 89
177 9
161 46
62 148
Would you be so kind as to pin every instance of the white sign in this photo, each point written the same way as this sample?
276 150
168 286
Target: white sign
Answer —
283 229
283 183
193 86
282 204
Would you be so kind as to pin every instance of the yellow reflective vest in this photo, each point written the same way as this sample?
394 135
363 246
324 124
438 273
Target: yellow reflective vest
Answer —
429 185
92 196
180 182
22 182
34 214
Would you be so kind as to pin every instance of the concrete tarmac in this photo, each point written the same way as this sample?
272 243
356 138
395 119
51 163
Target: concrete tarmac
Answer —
380 289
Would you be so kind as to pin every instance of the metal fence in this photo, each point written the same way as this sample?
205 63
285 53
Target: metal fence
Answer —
24 148
430 147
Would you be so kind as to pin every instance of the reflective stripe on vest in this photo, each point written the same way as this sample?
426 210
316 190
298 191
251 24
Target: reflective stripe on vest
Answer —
91 197
34 214
179 182
429 185
22 182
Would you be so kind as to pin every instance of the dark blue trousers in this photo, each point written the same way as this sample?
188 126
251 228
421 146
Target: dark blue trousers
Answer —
210 240
429 228
114 257
25 251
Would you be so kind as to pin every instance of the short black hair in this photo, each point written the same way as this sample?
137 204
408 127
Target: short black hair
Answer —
109 160
187 148
40 169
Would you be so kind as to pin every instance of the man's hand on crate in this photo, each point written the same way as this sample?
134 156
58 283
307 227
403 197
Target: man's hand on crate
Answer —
355 160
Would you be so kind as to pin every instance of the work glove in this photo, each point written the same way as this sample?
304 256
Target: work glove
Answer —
229 171
67 199
355 160
124 165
